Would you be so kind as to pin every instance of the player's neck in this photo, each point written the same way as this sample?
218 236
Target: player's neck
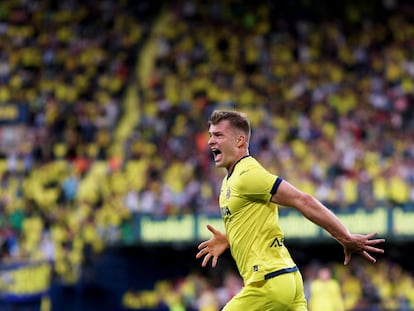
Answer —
231 168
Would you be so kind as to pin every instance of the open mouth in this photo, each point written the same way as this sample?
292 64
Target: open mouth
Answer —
216 152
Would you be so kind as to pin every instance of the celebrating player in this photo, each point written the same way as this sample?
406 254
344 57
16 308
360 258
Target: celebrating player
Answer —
248 203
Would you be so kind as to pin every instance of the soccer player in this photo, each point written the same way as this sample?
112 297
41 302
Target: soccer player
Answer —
248 203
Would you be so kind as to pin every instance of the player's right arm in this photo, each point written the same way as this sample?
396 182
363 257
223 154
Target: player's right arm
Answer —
213 247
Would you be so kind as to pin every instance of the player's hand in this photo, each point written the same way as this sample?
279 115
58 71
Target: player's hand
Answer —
363 245
213 247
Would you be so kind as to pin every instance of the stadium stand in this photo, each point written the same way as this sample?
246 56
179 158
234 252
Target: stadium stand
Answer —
103 115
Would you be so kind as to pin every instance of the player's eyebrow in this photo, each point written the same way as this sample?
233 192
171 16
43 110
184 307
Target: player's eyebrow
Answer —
215 132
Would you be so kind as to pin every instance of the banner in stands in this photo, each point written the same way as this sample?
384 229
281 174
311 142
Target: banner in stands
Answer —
24 281
13 113
391 223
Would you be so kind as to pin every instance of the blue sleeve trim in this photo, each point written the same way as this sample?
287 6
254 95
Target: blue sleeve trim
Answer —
276 185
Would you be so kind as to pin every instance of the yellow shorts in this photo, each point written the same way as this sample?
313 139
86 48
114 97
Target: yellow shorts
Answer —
281 293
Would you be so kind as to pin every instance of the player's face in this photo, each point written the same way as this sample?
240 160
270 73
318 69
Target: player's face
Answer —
223 143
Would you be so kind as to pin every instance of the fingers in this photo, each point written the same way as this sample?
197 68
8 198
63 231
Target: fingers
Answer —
347 258
375 242
374 249
363 245
212 229
214 261
367 256
372 241
363 253
369 236
203 250
207 257
370 248
206 260
203 245
199 254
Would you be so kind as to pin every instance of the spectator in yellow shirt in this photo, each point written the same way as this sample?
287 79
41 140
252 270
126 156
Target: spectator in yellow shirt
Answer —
325 292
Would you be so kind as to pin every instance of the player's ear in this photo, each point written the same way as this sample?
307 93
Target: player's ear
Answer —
241 141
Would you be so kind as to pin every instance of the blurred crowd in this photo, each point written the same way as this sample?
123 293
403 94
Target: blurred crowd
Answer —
328 286
331 103
330 97
66 65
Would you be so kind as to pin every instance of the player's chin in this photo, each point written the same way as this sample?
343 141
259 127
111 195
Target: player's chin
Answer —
219 163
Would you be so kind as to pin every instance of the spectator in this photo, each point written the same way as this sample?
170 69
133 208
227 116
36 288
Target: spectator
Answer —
325 292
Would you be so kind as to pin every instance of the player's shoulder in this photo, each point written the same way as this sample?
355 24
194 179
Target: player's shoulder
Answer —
248 166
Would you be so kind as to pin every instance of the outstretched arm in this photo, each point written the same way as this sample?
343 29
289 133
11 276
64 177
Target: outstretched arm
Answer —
319 214
213 247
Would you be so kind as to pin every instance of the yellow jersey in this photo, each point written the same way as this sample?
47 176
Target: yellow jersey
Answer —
252 223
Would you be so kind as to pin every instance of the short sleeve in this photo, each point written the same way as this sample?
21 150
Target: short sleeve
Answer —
258 184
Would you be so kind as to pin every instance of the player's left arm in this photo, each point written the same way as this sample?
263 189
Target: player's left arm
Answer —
315 211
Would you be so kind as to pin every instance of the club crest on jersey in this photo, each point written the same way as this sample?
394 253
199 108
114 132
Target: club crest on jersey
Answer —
228 194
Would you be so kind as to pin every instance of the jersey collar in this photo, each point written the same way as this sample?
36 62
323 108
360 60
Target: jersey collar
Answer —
234 166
